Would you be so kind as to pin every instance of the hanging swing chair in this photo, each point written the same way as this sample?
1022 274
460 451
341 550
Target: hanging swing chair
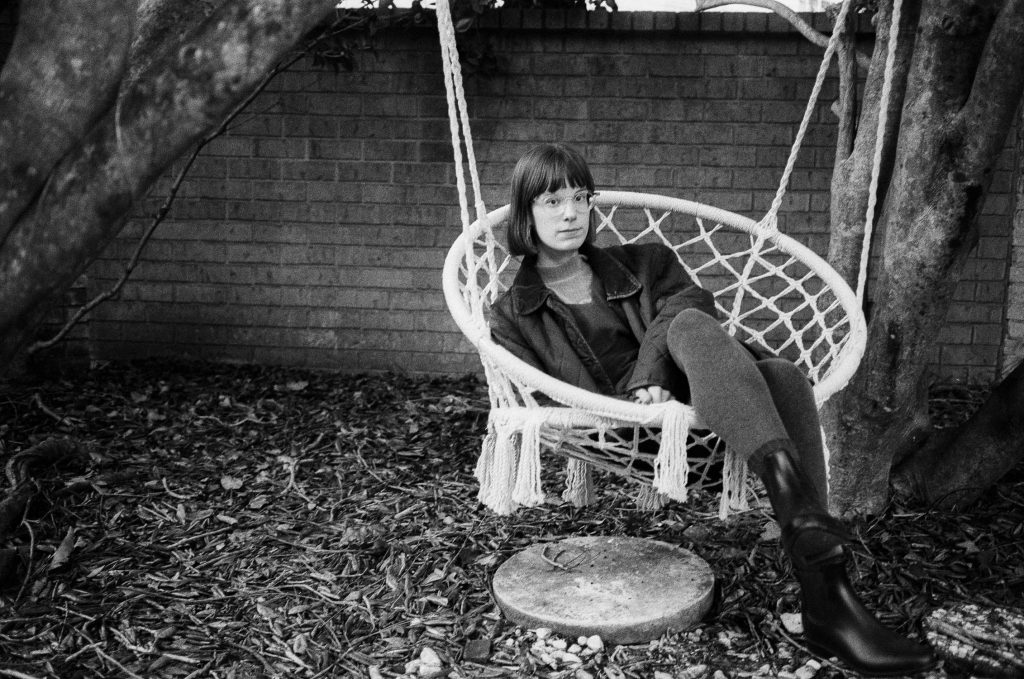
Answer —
771 290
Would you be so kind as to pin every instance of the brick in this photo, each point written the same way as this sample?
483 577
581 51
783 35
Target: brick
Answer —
598 20
576 19
209 167
728 156
253 168
642 21
198 209
309 169
364 171
734 22
335 150
260 126
280 148
431 152
230 146
323 126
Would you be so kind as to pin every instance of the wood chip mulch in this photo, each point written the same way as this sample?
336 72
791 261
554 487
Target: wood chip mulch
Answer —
264 522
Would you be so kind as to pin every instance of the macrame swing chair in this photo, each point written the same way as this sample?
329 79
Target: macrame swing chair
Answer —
770 289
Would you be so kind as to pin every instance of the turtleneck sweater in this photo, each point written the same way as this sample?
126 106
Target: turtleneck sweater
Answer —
608 337
571 280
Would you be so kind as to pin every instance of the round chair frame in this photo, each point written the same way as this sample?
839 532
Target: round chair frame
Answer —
771 290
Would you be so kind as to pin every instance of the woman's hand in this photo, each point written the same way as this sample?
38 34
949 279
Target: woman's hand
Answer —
652 394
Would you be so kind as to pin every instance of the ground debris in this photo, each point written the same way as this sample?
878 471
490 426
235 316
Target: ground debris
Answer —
264 522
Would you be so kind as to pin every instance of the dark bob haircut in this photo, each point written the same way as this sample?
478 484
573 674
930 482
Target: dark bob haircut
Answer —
544 168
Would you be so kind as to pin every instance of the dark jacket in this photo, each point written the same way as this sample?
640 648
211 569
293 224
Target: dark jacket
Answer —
644 284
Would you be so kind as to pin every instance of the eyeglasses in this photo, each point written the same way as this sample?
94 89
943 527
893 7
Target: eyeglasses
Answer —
553 203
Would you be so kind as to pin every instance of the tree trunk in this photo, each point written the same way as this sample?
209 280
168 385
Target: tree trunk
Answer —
963 88
167 108
954 470
79 50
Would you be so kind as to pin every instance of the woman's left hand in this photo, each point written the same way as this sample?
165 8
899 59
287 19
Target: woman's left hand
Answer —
652 394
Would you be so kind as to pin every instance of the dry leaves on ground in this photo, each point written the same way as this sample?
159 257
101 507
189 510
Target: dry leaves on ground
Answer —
263 522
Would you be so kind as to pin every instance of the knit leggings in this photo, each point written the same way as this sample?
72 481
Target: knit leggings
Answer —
756 406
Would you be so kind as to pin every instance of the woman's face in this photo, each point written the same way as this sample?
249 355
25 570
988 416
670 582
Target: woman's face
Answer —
561 220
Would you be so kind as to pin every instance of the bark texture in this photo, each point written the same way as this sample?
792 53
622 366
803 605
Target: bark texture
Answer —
79 61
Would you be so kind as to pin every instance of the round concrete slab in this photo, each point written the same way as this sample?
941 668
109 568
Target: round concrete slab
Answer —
627 590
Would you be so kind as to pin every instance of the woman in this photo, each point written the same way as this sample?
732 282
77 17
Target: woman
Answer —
628 321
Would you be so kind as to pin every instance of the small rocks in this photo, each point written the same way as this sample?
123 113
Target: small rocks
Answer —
478 651
694 672
557 653
807 671
428 665
770 533
792 622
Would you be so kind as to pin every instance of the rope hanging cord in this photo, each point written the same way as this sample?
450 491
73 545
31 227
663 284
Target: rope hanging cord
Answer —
883 119
770 220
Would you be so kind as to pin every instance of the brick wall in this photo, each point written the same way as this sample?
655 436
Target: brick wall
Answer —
314 233
1013 352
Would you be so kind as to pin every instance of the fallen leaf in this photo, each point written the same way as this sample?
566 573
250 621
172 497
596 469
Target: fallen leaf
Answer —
230 483
63 553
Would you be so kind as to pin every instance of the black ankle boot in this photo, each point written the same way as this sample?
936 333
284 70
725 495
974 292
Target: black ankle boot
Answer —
837 624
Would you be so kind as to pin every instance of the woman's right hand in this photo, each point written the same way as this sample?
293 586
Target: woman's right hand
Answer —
652 394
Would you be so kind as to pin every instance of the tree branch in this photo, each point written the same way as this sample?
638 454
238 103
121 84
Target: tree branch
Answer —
845 107
1001 66
786 13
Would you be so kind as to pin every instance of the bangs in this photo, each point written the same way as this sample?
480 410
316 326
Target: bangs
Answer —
558 169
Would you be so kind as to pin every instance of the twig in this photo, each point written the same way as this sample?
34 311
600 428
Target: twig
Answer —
568 566
83 649
38 401
31 555
970 636
121 667
200 671
165 208
258 656
177 496
16 674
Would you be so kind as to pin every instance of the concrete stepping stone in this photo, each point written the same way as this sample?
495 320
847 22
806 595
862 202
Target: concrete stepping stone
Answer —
626 590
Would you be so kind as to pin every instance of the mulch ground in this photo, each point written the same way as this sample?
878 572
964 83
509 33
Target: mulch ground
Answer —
261 522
